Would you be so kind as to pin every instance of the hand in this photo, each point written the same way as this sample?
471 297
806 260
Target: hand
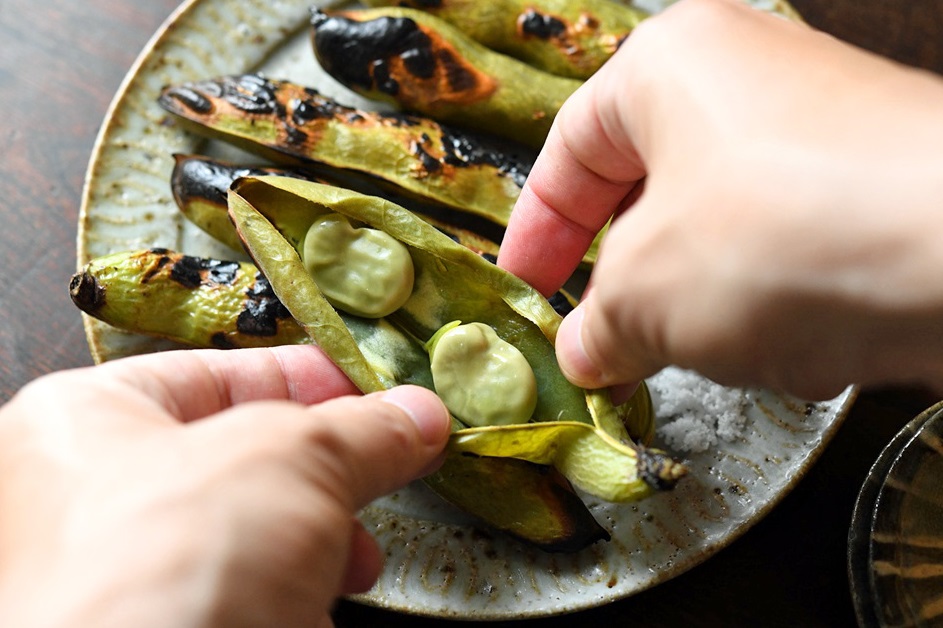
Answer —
776 196
200 488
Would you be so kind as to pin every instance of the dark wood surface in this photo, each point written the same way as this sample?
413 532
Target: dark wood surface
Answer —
60 63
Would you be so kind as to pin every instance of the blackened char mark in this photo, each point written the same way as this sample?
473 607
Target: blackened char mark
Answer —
221 341
315 107
262 310
357 53
535 24
295 136
560 304
187 97
458 77
429 163
154 266
251 93
464 149
191 272
85 291
198 177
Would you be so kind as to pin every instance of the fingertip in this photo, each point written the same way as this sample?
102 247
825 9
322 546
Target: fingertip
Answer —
572 356
425 409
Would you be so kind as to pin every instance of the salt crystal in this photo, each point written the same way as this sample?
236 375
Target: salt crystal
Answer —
694 414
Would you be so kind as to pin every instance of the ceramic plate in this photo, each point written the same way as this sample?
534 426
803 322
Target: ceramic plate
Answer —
746 449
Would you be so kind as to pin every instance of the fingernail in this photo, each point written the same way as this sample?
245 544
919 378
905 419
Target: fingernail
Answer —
571 352
425 409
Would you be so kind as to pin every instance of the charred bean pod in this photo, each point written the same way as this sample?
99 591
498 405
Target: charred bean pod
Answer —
426 65
282 120
196 301
570 38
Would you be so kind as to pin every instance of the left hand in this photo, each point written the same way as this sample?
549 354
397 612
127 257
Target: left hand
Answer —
200 488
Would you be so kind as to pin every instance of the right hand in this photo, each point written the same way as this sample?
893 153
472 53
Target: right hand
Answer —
788 230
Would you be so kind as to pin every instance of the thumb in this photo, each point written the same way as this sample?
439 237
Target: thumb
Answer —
366 447
593 352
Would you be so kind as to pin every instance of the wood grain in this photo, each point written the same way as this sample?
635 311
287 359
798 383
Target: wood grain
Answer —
60 63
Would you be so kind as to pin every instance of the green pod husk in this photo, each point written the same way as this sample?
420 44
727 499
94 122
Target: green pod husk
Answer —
451 283
570 38
200 185
426 65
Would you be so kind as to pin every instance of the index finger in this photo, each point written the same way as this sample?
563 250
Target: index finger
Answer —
192 384
586 170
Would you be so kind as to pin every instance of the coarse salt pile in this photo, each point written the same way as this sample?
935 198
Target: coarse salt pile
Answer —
695 414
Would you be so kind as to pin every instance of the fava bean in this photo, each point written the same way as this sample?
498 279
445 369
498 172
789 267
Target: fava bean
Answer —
362 271
482 379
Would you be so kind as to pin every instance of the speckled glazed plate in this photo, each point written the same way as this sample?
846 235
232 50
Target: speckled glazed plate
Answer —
745 448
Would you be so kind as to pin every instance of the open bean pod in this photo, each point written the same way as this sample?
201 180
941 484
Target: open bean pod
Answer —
200 185
205 302
570 38
451 283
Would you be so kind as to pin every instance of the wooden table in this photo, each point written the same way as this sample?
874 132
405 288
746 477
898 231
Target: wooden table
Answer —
60 63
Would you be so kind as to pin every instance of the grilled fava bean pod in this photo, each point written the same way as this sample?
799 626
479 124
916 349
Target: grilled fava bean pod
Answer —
570 38
217 304
426 65
283 120
197 301
451 283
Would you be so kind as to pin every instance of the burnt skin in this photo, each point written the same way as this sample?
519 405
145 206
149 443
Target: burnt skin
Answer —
85 291
262 310
348 49
189 98
306 109
221 341
535 24
201 178
396 56
429 163
657 470
461 149
250 93
191 272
